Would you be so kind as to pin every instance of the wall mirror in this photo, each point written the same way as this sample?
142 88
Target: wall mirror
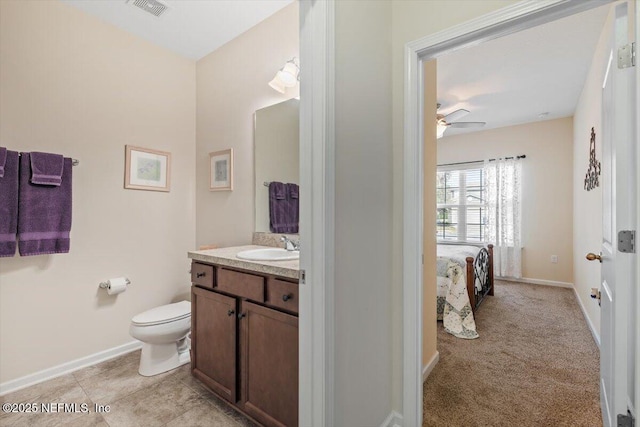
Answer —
276 153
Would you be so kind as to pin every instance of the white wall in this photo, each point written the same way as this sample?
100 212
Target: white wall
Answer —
363 213
71 84
547 187
587 205
232 83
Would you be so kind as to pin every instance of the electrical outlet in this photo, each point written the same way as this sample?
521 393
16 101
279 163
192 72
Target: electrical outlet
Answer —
554 259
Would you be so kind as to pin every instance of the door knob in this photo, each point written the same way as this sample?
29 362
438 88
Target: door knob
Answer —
592 257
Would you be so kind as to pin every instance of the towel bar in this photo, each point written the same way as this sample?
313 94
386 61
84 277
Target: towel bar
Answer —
74 162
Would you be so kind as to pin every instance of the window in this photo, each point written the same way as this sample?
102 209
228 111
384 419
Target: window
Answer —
460 198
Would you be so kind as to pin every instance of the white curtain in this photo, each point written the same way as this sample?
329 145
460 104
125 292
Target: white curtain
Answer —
503 227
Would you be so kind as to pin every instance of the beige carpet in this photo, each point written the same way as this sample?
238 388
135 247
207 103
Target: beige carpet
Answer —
535 364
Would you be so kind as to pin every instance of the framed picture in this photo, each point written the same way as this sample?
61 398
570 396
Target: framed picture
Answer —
147 169
221 170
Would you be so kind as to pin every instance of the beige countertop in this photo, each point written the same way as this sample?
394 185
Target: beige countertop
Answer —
227 257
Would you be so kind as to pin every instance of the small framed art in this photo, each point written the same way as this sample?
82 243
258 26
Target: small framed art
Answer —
147 169
221 170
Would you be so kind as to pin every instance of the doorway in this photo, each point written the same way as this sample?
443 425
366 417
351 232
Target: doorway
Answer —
506 21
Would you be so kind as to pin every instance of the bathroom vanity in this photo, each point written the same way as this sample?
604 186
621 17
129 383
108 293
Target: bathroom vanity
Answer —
244 332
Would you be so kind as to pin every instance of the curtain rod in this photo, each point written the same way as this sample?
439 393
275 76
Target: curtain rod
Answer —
522 156
74 162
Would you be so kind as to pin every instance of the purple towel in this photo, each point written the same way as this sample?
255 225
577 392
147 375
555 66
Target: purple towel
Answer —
283 211
278 190
9 205
293 190
46 168
293 206
44 215
3 160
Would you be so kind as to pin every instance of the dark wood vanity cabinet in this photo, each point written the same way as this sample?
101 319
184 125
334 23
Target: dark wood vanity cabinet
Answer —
244 342
213 344
269 365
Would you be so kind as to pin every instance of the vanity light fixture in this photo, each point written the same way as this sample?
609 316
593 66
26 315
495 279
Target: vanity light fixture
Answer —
440 128
276 84
287 76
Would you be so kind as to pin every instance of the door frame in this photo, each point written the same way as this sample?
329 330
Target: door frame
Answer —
508 20
317 182
637 312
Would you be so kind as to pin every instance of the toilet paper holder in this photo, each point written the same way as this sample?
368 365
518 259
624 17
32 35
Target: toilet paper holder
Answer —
105 285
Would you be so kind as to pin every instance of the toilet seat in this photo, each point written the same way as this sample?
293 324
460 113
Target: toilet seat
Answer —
163 314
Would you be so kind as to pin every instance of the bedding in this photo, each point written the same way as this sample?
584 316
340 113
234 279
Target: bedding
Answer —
453 305
459 254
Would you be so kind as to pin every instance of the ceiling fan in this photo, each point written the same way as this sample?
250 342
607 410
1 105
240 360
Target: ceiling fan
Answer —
449 120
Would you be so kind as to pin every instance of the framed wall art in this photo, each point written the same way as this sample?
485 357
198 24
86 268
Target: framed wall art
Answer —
221 170
147 169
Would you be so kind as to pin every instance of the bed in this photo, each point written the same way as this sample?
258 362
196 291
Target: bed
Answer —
465 278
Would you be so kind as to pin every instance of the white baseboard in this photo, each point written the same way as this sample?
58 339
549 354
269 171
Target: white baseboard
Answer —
596 336
68 367
430 365
393 420
537 281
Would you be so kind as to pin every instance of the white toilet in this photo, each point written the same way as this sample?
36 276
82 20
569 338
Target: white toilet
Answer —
163 331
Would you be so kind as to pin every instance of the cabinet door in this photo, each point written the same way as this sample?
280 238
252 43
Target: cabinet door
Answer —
213 343
269 365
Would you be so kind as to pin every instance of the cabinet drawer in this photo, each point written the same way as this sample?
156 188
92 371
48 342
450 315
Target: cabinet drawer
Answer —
241 284
202 274
283 294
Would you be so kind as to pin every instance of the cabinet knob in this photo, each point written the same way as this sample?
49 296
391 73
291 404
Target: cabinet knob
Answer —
230 312
201 274
241 315
287 297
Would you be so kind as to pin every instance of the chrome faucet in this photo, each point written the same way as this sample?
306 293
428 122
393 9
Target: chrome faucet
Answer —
289 244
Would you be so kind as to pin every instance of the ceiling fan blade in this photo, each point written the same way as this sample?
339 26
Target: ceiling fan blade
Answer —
467 124
455 115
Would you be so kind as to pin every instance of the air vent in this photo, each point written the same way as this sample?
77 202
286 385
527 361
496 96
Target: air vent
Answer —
153 7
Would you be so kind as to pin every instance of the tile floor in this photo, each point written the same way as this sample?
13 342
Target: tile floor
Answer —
173 399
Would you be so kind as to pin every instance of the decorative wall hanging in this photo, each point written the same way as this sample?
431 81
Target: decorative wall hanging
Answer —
221 170
147 169
592 180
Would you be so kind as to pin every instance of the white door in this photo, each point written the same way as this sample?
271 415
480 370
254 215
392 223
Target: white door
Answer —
618 197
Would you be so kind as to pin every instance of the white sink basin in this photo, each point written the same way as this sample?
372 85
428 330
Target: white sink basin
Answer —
268 254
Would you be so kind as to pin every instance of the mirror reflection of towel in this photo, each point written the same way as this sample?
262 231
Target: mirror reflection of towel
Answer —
279 190
3 160
293 190
283 208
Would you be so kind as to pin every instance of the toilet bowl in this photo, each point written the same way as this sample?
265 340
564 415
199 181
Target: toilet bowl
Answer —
163 331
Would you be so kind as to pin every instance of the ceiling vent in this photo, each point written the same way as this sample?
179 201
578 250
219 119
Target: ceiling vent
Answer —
153 7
